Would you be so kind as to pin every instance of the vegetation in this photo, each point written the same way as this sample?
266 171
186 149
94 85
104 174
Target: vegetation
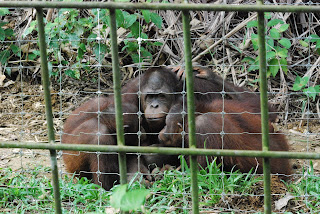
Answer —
31 191
277 47
78 44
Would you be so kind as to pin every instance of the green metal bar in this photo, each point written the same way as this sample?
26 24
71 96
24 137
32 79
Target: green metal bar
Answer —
117 96
191 110
161 150
47 99
264 110
162 6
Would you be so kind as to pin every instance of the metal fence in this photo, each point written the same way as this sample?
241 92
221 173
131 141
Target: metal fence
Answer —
121 148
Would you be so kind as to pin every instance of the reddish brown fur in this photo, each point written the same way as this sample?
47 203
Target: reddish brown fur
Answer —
209 86
82 128
82 125
242 132
161 83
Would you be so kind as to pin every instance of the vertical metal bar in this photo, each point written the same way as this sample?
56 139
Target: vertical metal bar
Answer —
117 96
47 99
191 109
264 110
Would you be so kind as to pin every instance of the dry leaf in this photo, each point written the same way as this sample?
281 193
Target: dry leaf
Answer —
283 201
2 77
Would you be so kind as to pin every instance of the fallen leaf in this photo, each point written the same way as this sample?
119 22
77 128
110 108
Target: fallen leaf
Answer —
2 77
282 202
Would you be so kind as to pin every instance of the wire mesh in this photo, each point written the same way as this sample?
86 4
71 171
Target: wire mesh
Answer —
23 107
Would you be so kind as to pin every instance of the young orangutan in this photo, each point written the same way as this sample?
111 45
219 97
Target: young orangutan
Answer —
235 129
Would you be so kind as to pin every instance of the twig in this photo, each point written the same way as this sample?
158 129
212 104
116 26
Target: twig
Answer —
160 51
236 29
313 67
231 63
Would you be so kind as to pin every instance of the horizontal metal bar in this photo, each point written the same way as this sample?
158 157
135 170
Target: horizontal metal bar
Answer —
161 150
161 6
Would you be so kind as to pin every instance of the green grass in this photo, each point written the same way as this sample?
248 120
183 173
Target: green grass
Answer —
31 191
308 185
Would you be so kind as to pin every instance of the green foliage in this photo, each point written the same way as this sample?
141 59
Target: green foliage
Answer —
277 53
7 37
301 83
308 185
70 31
33 191
170 191
314 41
128 200
276 46
130 21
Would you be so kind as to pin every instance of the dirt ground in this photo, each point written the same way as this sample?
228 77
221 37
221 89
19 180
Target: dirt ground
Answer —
22 119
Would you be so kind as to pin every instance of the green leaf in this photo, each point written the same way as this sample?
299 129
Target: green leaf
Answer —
314 37
156 19
253 68
103 49
15 49
74 39
133 46
29 29
282 52
303 43
4 11
284 65
248 59
92 37
158 43
134 199
254 40
82 46
31 56
253 23
8 32
300 83
283 28
120 17
51 73
147 15
117 195
285 43
270 55
267 15
312 91
129 20
135 29
147 55
135 58
3 23
8 71
2 35
72 73
81 50
274 33
274 67
144 36
4 55
270 44
274 22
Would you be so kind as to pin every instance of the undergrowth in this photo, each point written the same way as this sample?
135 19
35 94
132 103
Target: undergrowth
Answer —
31 191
